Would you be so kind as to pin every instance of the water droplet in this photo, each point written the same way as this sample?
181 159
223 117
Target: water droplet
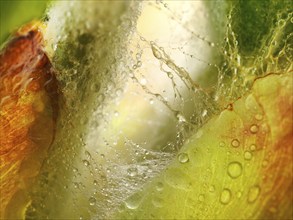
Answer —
95 87
273 209
156 52
157 202
143 81
92 200
87 154
201 198
204 113
235 143
86 163
212 188
159 186
230 107
265 163
133 202
253 147
132 171
180 117
199 133
247 155
95 182
225 196
258 117
238 194
234 169
253 194
222 144
151 101
183 158
178 179
76 185
254 129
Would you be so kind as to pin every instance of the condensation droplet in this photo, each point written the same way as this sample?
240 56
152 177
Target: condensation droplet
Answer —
258 117
253 194
265 163
225 197
116 113
87 154
156 53
199 133
170 75
92 200
132 171
86 163
253 147
180 117
183 158
222 144
273 209
151 101
157 202
143 81
159 186
201 198
95 87
76 185
234 169
212 188
235 143
133 202
230 107
238 194
247 155
254 129
204 113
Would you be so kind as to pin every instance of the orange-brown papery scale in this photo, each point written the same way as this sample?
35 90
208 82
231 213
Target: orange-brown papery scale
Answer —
28 112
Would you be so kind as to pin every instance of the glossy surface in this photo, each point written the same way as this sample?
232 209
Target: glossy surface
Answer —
28 112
